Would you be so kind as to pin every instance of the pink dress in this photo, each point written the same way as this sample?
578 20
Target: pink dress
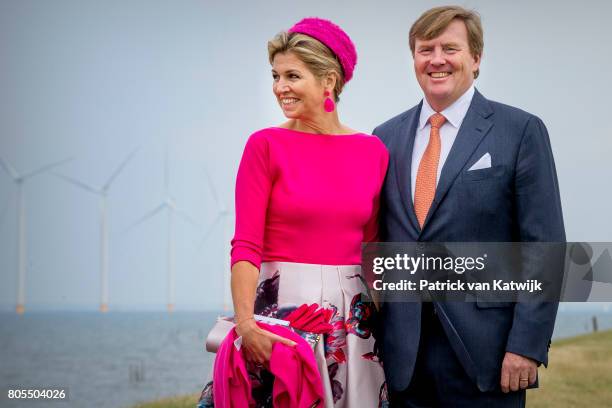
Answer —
304 204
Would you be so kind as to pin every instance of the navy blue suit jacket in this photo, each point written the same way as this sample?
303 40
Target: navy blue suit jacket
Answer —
515 200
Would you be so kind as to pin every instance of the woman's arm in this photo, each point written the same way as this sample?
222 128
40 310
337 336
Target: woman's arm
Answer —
244 285
256 341
253 186
372 229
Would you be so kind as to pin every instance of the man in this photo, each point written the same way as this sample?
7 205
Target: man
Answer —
464 169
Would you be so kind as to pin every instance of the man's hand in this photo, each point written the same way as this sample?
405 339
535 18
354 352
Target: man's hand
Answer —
517 372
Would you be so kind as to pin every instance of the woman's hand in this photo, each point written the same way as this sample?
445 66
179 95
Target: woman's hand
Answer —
257 342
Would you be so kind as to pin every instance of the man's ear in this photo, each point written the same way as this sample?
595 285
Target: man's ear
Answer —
477 59
476 68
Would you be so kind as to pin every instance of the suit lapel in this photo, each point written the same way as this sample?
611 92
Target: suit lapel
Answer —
406 132
474 127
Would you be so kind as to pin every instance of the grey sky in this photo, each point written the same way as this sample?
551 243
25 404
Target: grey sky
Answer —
95 79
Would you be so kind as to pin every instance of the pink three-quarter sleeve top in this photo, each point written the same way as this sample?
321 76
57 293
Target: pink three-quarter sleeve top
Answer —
307 198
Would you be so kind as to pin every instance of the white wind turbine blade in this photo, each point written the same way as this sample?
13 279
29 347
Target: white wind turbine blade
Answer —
221 209
223 215
187 218
166 173
4 211
45 167
119 169
210 230
78 183
9 169
145 217
213 191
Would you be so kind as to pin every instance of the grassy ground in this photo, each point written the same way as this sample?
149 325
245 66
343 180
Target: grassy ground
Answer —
579 375
184 401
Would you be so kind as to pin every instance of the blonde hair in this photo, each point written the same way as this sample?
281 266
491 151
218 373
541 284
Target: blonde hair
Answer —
319 59
434 21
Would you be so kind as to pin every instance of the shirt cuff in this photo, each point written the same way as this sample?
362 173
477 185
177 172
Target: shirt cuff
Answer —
243 253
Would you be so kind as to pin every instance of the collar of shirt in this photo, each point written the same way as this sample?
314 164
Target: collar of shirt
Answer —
454 114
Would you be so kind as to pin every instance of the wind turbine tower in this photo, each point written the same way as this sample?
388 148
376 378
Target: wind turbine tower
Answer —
19 180
102 193
171 208
224 218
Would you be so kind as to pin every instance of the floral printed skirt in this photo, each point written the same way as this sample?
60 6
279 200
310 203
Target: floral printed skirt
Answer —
347 357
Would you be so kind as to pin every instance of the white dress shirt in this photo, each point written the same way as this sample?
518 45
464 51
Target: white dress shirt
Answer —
454 115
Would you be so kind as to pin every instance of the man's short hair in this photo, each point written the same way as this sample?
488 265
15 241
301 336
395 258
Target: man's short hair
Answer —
434 21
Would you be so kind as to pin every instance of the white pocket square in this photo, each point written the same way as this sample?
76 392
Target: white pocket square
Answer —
483 163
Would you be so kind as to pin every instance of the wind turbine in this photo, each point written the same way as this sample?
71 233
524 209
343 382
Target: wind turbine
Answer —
4 211
102 193
19 180
168 204
224 217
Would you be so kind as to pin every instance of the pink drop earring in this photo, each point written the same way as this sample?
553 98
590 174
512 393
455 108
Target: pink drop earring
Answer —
328 104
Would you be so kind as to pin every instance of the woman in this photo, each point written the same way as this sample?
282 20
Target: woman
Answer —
306 197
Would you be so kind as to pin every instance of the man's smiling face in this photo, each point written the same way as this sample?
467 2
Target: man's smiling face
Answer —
445 66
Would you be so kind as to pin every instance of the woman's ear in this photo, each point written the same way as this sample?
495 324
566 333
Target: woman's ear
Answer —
329 81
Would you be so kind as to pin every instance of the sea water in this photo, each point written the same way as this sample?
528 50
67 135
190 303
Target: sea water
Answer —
117 359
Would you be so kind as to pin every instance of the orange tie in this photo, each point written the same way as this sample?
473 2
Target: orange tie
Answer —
425 188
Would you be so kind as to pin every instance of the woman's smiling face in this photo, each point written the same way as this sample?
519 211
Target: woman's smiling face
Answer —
299 93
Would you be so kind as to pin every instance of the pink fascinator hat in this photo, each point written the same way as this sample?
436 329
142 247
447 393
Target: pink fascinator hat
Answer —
334 38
